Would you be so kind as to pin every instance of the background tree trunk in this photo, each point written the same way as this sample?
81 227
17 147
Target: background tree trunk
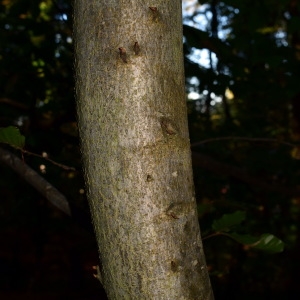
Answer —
136 152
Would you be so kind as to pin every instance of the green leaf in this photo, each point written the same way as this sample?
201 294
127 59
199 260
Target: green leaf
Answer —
269 243
12 136
266 242
245 239
229 220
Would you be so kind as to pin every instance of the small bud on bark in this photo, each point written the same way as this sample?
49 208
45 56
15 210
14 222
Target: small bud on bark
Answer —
123 54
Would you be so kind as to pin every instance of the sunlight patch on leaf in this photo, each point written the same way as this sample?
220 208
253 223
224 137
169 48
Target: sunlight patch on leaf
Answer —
266 242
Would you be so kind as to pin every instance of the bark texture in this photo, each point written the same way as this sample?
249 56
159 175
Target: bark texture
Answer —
135 147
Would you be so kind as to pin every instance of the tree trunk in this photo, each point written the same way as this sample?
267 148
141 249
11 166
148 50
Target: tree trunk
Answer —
135 148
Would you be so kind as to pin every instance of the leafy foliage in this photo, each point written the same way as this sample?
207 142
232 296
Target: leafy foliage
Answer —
242 65
228 221
11 135
246 85
227 225
266 242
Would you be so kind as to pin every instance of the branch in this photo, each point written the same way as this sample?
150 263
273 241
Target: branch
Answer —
14 103
208 163
67 168
240 138
37 181
46 189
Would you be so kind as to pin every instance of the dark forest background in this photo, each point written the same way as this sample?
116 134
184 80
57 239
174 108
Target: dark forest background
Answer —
244 119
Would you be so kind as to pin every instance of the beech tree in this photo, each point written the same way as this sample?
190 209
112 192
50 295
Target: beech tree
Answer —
244 115
135 148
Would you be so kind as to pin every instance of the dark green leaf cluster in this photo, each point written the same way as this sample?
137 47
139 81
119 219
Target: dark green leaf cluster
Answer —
228 224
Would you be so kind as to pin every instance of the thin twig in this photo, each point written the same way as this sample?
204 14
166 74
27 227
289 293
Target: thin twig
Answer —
212 235
240 138
210 164
67 168
14 103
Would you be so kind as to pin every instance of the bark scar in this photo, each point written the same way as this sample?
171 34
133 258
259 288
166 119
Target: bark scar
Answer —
179 209
123 54
168 126
136 48
154 11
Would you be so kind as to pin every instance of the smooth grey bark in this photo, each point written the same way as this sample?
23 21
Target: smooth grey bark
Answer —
135 148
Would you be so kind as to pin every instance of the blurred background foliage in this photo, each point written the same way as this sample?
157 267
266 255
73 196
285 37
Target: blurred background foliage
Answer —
243 95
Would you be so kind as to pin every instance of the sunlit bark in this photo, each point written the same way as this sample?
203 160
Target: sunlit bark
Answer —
135 147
